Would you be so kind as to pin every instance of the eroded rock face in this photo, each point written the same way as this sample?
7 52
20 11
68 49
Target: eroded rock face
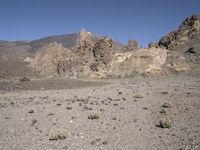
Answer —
99 57
50 59
132 44
88 56
103 52
142 61
183 46
153 45
85 38
186 31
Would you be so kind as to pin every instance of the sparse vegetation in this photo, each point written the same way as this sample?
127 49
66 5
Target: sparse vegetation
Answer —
93 115
96 142
58 134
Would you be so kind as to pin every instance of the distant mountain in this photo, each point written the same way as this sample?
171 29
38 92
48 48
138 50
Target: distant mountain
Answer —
67 40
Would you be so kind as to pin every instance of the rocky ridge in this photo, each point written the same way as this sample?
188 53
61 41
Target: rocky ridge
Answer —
183 46
84 54
98 59
186 31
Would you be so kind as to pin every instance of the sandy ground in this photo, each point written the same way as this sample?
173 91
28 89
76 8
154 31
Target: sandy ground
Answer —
127 112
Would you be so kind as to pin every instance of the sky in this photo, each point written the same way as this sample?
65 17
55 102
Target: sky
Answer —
144 20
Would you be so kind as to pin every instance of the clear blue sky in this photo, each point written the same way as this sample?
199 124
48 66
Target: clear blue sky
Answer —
144 20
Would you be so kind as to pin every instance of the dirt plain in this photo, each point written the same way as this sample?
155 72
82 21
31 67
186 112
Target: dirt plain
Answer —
115 114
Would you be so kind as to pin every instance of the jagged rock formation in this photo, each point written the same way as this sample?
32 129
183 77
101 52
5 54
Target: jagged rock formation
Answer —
141 61
86 57
153 45
85 54
188 30
85 38
132 44
99 59
183 45
51 59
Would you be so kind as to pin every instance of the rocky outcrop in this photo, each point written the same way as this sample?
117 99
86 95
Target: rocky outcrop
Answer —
50 59
132 44
84 39
133 63
99 58
153 45
102 52
186 31
85 58
183 45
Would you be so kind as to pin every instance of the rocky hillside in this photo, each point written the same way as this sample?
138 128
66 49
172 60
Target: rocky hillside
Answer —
15 56
183 45
99 59
84 54
189 29
88 55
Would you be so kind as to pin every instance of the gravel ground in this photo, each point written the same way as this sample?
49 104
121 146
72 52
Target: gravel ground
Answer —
81 115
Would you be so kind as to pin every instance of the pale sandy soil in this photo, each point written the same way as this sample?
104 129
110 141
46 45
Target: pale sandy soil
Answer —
125 122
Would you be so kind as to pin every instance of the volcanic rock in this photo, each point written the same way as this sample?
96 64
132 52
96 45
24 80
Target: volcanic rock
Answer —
132 44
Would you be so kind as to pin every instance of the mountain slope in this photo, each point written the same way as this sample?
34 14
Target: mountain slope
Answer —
184 45
14 54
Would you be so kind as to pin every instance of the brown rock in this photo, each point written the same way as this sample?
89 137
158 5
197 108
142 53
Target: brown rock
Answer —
132 44
153 45
164 123
166 105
